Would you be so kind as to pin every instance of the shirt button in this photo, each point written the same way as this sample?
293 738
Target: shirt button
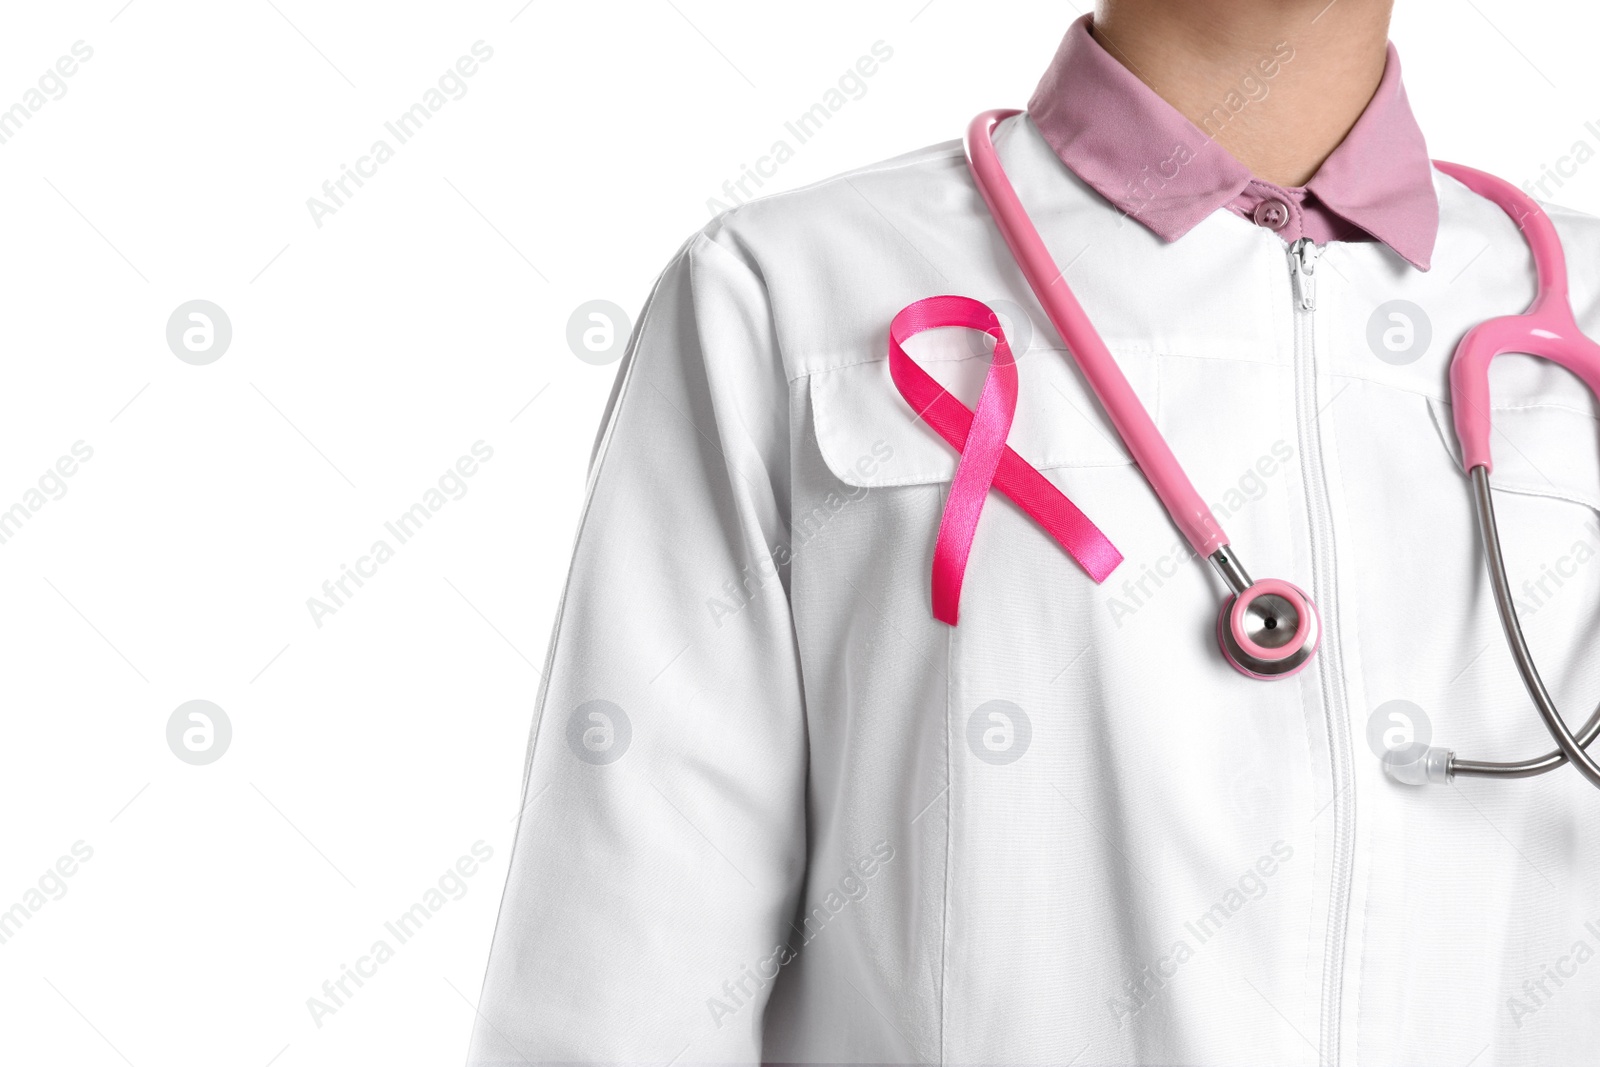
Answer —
1273 214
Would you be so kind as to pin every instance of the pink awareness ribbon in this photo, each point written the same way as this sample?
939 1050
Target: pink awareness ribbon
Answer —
986 460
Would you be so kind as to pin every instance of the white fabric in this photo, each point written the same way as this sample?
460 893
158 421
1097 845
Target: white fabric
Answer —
808 743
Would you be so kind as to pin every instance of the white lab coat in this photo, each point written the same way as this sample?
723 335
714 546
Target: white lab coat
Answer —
825 827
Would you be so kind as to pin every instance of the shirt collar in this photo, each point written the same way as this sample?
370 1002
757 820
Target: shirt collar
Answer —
1136 150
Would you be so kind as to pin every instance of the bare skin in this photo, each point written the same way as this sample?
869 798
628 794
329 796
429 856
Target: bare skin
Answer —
1195 53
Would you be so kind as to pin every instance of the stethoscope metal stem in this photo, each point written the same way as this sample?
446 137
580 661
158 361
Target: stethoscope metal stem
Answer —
1569 748
1231 569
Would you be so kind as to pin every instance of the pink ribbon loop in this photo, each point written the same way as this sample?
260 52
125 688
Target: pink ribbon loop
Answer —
986 460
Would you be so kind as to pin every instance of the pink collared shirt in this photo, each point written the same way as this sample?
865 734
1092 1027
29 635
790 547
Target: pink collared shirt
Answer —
1140 153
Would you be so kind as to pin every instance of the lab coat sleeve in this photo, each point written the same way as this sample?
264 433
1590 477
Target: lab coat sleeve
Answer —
661 842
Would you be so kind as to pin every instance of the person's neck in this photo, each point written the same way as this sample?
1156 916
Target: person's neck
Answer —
1205 57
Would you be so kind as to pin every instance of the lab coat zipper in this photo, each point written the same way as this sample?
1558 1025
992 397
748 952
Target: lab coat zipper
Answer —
1303 269
1303 256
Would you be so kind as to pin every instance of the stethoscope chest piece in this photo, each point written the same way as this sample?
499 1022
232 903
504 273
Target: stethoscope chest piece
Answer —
1268 630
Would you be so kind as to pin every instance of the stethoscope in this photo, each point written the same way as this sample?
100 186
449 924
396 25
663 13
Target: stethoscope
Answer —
1267 628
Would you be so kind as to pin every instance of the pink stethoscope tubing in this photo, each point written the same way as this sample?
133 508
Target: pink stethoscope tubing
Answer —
1548 329
1117 397
1266 629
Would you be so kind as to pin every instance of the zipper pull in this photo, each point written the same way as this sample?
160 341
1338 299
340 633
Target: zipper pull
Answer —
1303 268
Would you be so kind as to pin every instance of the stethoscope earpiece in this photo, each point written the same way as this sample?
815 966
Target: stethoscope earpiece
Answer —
1419 764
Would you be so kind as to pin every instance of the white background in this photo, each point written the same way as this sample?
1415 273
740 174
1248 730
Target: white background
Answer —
428 313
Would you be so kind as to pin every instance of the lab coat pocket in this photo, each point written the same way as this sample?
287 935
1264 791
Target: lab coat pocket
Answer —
1539 449
881 478
1546 483
879 481
859 415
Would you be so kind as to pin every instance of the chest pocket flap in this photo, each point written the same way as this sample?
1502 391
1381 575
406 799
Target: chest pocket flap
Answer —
1058 421
1546 439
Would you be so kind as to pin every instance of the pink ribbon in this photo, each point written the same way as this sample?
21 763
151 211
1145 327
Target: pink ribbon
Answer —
986 461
